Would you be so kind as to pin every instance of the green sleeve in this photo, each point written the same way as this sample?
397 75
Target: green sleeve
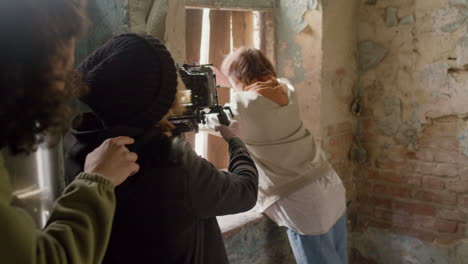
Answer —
78 229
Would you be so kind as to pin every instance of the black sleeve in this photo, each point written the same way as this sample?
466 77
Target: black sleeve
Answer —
213 192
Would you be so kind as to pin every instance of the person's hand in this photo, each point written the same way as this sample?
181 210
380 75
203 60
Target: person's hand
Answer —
221 79
229 132
113 160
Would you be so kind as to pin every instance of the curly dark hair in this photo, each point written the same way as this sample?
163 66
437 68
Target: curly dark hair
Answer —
36 52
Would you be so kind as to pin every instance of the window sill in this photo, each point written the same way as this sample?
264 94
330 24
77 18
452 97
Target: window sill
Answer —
233 224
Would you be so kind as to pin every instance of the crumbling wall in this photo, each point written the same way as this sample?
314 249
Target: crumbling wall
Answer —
107 18
413 187
338 76
315 50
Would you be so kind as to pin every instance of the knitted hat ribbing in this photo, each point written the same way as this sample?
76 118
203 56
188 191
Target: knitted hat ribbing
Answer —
132 80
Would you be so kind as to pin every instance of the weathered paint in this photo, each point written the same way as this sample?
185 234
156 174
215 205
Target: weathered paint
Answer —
174 35
391 17
370 54
108 18
448 20
407 20
138 13
414 102
339 64
156 22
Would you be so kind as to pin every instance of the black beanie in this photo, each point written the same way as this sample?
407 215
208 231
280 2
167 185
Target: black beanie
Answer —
132 80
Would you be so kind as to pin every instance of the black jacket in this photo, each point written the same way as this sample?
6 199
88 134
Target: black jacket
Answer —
166 213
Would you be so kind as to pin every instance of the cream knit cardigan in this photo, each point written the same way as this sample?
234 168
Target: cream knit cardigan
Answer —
286 154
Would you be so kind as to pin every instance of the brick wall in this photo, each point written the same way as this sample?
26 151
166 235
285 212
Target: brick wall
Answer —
337 140
422 192
413 188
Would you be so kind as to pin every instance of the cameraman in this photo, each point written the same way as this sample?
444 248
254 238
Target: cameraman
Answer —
36 54
167 212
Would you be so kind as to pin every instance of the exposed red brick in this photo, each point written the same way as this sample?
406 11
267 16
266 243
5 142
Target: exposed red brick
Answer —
430 168
340 128
378 224
419 234
368 136
463 201
436 197
367 112
401 220
368 124
410 155
414 180
341 140
396 153
365 209
380 189
423 167
415 208
444 143
338 154
401 192
362 198
451 238
388 176
446 170
446 156
447 129
422 235
424 222
388 164
381 202
445 226
464 174
424 154
451 214
383 214
458 186
434 183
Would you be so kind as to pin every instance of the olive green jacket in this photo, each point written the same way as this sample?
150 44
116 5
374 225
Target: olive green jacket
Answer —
78 229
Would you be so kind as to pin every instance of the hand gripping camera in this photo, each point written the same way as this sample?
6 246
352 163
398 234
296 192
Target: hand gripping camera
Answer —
200 100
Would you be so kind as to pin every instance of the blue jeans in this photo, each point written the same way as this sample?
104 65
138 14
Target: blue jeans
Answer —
328 248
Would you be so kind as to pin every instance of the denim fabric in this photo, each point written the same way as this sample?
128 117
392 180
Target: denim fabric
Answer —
328 248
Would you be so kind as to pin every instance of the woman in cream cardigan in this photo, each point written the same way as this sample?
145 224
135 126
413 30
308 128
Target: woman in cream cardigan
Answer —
298 188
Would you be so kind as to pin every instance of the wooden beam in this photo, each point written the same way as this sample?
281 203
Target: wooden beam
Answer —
232 5
242 29
193 32
220 46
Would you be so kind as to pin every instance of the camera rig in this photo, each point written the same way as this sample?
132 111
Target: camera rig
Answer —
201 99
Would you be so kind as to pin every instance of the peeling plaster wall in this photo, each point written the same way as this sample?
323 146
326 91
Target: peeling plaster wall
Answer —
338 76
163 19
338 62
316 47
108 18
413 189
299 55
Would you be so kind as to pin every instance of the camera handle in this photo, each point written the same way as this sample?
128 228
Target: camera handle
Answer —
222 117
